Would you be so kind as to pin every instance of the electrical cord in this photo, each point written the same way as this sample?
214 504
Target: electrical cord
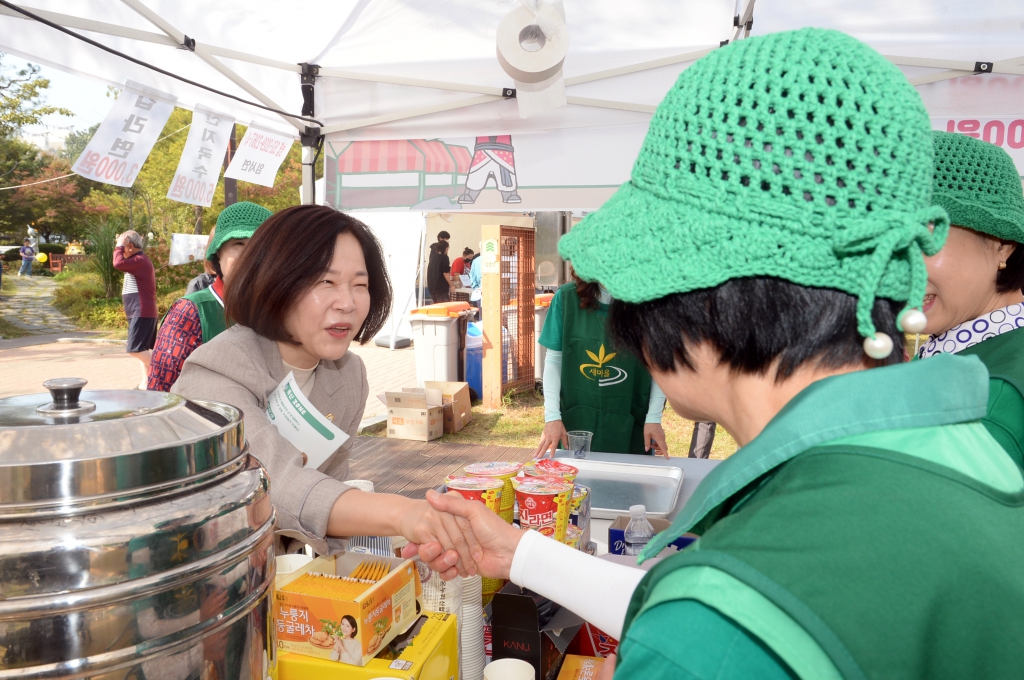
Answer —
47 22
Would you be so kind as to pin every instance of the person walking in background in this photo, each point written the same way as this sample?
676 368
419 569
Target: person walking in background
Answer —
139 297
28 253
199 317
437 272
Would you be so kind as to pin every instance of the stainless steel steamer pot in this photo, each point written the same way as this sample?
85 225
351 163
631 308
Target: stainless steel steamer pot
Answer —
136 539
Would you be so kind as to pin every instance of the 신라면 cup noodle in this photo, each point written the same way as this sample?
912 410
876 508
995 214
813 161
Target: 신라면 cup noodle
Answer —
549 467
500 470
487 490
544 507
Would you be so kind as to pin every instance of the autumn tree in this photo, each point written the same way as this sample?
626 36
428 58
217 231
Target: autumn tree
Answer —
21 98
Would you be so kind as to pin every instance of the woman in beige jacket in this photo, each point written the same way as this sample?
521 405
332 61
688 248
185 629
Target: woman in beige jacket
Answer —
310 281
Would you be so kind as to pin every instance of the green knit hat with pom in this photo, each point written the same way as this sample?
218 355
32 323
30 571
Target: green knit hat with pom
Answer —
802 155
238 220
978 185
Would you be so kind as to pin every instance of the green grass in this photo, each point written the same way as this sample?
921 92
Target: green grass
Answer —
521 419
80 295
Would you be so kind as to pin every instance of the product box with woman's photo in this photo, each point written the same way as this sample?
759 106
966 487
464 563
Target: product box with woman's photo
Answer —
345 608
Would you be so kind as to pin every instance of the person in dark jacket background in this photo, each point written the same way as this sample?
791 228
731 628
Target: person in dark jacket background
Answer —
138 293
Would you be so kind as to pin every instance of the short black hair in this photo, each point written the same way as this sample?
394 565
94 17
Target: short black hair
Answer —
467 251
443 235
1012 278
27 240
753 322
266 281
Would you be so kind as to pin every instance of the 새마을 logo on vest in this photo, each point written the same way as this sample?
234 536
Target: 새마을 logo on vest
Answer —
605 374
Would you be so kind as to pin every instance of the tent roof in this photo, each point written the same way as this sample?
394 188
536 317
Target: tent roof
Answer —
423 68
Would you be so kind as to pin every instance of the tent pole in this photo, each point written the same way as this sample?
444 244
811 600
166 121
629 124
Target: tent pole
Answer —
313 137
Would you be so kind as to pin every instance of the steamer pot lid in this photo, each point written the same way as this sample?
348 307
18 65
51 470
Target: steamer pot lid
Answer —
160 437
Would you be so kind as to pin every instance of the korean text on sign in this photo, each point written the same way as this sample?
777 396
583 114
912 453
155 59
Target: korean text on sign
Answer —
259 156
117 151
195 180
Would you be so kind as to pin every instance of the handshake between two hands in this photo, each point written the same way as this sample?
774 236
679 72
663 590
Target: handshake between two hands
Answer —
459 537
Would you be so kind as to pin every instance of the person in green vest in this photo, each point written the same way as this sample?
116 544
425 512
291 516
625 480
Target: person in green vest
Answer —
974 301
590 386
199 317
869 526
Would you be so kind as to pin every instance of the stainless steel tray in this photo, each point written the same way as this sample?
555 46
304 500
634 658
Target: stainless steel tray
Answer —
616 486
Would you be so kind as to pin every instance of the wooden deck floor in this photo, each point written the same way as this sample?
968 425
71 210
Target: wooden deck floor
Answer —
410 468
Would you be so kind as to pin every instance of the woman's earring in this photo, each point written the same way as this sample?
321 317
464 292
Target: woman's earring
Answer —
1002 265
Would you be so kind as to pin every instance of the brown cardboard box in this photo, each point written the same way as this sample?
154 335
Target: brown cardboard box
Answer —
455 400
415 415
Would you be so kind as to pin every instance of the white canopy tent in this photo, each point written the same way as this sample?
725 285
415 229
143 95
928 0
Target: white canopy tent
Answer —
405 69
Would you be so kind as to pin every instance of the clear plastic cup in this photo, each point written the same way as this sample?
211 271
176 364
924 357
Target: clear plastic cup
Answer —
579 442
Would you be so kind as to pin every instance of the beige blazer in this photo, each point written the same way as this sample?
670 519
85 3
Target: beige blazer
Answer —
241 368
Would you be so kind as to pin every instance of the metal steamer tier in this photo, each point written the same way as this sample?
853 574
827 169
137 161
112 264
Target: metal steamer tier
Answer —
136 539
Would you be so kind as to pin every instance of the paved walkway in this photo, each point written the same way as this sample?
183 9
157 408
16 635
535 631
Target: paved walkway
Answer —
30 307
386 371
26 362
106 366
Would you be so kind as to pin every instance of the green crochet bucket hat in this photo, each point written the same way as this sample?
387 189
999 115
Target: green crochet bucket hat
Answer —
978 185
802 155
238 220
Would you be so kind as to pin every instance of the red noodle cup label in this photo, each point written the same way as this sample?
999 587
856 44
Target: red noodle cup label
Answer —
487 490
544 504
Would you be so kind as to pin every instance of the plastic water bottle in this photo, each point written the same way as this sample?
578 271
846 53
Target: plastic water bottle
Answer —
639 531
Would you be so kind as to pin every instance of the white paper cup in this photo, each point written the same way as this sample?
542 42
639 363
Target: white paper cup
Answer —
286 564
508 669
361 484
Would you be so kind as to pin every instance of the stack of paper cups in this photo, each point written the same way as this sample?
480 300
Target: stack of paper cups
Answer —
471 638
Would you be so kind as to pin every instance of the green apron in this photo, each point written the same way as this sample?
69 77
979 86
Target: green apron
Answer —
211 313
603 391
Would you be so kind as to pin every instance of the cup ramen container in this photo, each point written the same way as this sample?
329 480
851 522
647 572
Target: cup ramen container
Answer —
487 490
504 472
549 467
572 536
544 507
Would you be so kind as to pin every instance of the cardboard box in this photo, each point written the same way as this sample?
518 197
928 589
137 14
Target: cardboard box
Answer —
617 530
517 632
415 415
456 403
381 612
429 651
580 667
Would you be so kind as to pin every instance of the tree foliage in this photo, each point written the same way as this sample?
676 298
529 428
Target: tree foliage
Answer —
21 98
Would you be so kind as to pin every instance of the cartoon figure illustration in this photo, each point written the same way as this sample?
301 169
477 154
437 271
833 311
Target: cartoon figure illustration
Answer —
492 157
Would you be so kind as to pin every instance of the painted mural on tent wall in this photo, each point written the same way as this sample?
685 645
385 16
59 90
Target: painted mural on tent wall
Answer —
568 170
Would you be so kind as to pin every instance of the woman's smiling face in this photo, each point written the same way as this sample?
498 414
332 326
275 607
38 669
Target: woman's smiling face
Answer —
329 315
962 279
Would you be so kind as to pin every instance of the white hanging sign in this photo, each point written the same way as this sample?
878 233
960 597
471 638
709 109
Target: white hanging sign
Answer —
195 180
187 248
259 156
122 143
1005 132
298 421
